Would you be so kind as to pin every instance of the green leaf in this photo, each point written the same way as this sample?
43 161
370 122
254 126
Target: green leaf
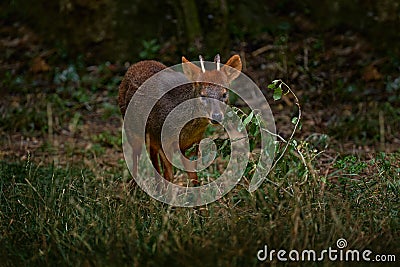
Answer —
294 120
277 93
248 119
271 86
293 143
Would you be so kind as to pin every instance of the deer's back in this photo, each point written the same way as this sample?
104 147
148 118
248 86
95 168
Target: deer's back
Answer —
136 75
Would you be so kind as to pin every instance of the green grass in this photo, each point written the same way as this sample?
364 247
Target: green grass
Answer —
70 216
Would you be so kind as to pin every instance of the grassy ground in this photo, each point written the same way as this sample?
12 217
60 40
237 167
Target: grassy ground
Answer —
65 201
72 216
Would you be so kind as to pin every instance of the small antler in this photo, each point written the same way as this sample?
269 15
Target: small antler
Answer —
202 63
217 60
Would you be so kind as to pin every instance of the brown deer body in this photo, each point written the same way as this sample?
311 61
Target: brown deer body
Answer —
192 133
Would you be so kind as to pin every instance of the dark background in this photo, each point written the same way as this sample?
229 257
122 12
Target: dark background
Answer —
115 30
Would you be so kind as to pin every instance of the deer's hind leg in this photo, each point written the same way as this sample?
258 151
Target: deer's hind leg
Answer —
154 159
136 147
167 166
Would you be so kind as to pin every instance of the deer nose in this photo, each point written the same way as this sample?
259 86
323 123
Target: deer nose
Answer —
216 118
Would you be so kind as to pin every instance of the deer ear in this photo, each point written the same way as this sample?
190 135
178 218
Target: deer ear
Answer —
232 68
190 70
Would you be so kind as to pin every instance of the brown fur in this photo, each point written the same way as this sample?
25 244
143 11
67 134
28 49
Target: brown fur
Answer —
193 131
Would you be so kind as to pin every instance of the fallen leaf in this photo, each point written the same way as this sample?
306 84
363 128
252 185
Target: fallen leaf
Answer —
39 65
371 73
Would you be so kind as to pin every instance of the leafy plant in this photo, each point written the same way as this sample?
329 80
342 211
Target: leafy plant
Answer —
107 139
150 49
351 164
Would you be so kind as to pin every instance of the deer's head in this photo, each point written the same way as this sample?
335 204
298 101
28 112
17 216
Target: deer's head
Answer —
213 84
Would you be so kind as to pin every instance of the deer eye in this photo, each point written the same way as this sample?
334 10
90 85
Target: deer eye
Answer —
225 95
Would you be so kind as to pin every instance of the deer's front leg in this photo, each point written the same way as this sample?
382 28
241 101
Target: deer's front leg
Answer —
191 165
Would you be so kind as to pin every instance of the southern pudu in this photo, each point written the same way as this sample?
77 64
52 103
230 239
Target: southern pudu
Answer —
218 80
